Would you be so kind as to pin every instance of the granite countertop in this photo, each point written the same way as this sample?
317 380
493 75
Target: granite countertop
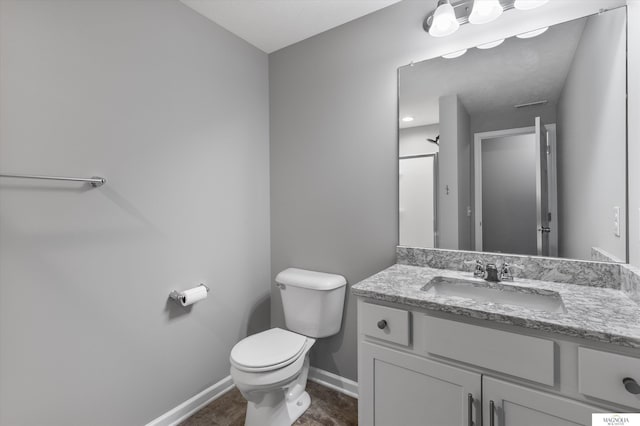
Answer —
599 314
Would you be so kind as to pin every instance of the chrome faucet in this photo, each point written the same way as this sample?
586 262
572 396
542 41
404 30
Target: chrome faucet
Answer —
506 273
491 272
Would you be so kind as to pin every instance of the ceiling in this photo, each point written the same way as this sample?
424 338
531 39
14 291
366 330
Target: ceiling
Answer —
516 72
271 25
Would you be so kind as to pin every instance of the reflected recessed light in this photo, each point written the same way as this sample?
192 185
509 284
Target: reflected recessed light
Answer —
407 119
490 44
533 33
528 4
455 54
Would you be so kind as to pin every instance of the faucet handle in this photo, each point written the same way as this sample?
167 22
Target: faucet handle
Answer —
479 267
506 273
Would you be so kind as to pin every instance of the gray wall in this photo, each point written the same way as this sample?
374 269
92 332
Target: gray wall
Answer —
448 176
463 138
588 171
173 111
334 171
453 175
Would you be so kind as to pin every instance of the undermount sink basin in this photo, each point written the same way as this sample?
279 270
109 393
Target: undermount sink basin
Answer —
505 294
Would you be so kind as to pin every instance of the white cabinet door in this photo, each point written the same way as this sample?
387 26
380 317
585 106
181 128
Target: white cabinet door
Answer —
399 389
515 405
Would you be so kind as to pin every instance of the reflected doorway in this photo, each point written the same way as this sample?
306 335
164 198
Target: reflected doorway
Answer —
418 176
515 191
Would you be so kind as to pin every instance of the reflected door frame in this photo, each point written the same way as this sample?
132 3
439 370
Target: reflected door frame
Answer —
550 130
552 157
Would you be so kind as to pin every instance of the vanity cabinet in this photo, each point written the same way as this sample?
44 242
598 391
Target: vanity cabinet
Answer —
402 389
420 368
507 404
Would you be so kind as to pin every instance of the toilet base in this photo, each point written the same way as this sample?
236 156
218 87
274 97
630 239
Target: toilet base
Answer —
280 403
297 407
275 410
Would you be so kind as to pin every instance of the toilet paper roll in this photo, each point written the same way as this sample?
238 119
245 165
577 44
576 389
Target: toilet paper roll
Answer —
191 296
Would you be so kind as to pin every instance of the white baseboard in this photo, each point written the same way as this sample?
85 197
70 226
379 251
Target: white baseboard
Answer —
333 381
193 404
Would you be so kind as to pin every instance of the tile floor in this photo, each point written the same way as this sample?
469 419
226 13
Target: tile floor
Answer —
328 408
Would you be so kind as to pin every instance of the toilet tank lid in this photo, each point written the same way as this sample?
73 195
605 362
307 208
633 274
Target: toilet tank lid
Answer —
310 279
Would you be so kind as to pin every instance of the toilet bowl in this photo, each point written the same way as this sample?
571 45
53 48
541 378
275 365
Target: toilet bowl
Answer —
270 368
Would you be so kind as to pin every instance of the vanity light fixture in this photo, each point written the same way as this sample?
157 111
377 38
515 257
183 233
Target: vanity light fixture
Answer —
533 33
455 54
528 4
407 119
443 20
450 14
490 45
484 11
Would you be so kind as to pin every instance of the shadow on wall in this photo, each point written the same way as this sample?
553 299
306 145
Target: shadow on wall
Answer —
175 309
259 316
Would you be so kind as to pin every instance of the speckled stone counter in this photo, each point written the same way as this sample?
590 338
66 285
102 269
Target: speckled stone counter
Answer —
593 312
580 272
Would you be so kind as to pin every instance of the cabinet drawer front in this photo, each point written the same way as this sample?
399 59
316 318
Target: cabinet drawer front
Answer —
527 357
600 375
385 323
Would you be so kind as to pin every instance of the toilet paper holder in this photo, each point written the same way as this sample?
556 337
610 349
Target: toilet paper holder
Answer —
177 295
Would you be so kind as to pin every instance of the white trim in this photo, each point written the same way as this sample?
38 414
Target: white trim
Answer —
333 381
193 404
540 191
553 189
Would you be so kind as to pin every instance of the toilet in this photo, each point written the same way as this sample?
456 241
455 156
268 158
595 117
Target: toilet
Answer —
270 368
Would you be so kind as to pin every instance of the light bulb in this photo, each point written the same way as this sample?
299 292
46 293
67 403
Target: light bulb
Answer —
484 11
528 4
444 20
407 119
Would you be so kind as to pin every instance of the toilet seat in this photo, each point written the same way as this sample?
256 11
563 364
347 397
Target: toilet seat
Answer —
267 351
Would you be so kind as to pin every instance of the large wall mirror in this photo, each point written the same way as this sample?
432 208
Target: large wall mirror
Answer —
519 146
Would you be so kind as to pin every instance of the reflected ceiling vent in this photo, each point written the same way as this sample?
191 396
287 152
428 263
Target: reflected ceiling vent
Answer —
530 104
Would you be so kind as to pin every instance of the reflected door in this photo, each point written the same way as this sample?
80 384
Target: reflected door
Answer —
511 191
417 200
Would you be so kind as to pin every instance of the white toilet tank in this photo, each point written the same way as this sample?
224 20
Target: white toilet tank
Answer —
312 301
